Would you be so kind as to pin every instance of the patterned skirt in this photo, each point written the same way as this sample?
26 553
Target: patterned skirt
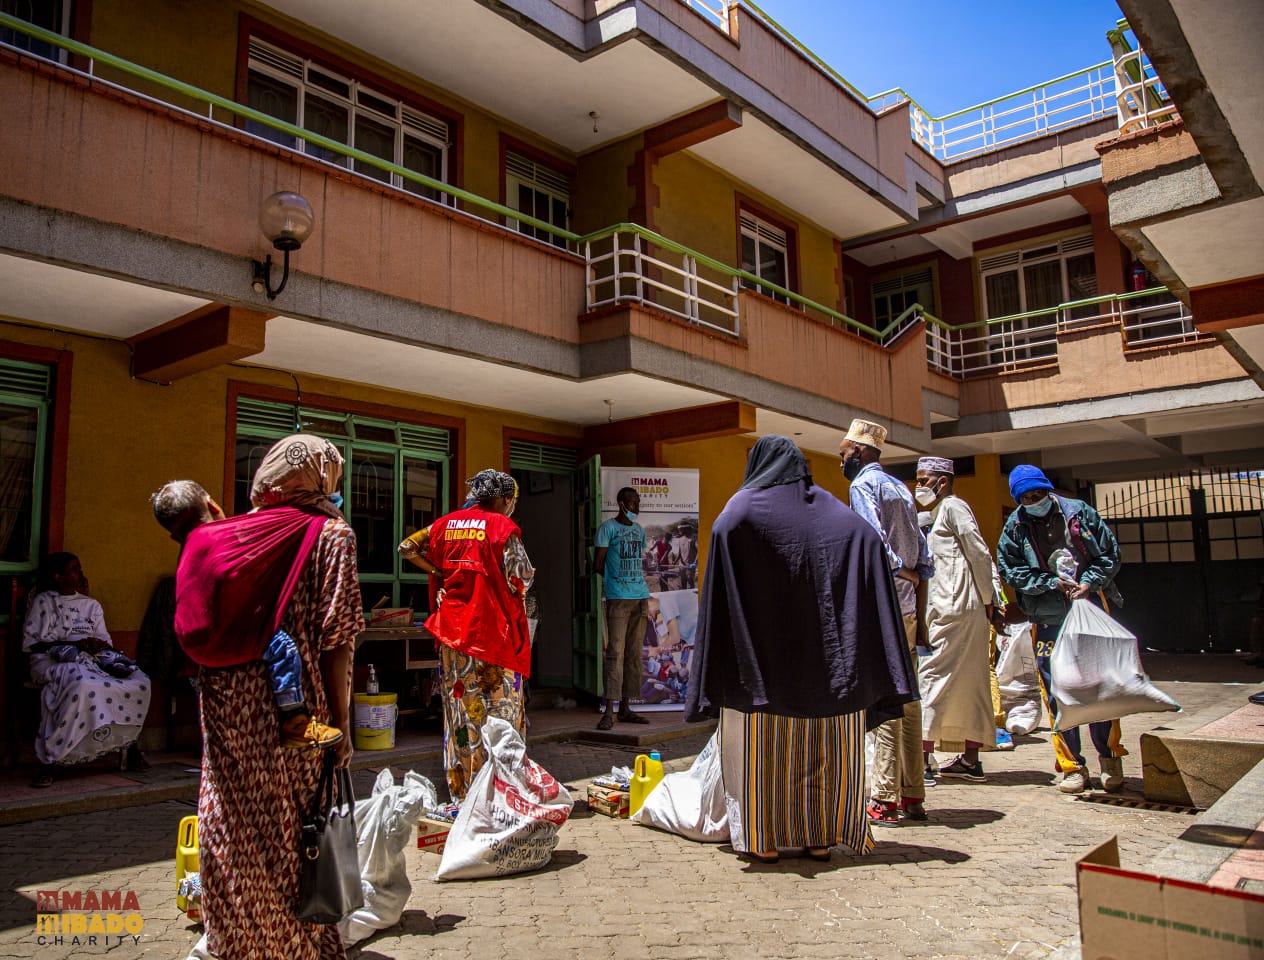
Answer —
794 782
472 691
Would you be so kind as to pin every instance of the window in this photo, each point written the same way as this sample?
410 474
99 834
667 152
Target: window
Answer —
340 108
394 481
25 401
539 192
1040 278
50 14
765 253
893 295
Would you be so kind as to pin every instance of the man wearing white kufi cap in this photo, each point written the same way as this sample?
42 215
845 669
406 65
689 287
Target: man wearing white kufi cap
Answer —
956 693
886 505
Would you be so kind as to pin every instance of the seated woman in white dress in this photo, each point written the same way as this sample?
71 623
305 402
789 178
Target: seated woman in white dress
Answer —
93 699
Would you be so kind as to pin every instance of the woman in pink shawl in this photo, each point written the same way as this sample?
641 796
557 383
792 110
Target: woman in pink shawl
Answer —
253 790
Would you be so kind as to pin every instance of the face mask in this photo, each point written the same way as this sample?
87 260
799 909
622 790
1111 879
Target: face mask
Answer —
851 467
925 496
1040 508
630 515
336 500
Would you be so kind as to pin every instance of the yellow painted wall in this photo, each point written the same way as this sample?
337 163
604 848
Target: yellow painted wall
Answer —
127 438
698 207
987 492
601 195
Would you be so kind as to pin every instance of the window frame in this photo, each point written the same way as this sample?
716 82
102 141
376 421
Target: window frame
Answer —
353 414
509 198
1064 249
746 207
358 81
40 466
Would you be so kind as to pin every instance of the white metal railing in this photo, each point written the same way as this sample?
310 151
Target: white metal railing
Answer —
1035 112
1146 318
626 267
1142 100
717 11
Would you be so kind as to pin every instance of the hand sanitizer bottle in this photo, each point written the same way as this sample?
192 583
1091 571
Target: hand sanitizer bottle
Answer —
371 685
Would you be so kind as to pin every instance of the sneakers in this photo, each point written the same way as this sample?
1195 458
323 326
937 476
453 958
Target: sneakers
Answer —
300 731
1075 781
1003 739
884 813
1112 774
913 810
928 775
960 770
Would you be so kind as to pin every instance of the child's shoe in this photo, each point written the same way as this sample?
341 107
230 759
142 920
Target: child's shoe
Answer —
300 731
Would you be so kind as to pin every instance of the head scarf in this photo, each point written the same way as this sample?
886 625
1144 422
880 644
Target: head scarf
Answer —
775 460
299 471
490 484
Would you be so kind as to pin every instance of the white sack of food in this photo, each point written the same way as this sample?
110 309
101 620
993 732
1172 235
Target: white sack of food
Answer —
690 803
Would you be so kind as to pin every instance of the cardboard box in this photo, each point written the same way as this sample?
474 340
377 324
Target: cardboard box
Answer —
608 801
432 835
391 617
1134 915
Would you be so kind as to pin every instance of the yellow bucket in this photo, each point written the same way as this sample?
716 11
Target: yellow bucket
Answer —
373 726
186 855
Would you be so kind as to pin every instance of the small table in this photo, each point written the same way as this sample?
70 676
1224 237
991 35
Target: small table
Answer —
419 644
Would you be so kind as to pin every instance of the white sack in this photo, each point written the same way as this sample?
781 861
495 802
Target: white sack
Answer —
1017 679
384 825
690 803
1096 672
509 820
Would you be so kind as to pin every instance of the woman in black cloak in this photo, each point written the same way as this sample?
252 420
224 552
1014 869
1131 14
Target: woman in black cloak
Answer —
800 646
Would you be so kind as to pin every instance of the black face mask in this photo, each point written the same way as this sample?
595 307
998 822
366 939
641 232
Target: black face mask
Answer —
851 466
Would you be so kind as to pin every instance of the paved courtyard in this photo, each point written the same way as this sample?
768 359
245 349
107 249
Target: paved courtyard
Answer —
991 875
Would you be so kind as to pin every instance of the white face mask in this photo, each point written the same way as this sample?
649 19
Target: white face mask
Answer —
925 496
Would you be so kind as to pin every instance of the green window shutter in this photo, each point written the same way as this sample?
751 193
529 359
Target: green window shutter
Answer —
425 441
544 457
262 417
22 379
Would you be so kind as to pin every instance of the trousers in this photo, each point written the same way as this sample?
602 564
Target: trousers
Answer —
897 753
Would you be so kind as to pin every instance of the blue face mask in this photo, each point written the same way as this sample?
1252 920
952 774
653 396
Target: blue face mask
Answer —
336 500
630 515
1039 509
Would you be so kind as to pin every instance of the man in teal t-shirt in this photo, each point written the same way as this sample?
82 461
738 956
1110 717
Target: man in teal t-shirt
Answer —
620 547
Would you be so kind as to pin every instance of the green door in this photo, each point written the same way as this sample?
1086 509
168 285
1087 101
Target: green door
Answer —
586 626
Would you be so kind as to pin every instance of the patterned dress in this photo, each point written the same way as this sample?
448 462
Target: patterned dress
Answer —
253 792
85 712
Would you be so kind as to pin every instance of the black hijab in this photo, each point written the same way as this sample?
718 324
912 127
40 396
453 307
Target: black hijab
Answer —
798 615
775 460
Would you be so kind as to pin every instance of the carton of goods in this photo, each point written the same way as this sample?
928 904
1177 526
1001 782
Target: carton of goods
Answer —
608 801
432 834
384 617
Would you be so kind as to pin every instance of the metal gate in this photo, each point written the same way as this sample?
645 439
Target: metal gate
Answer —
1193 557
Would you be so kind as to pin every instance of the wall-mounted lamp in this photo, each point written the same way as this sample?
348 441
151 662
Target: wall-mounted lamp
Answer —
594 116
286 220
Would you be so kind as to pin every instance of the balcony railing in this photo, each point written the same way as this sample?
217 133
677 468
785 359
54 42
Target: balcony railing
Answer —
1140 95
1145 318
717 11
627 263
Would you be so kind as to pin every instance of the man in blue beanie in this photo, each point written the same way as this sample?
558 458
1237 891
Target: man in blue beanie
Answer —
1052 551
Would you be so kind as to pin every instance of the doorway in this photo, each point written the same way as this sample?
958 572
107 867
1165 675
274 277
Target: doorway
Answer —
545 516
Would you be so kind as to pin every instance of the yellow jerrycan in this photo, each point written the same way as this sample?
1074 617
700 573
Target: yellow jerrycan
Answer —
646 773
186 856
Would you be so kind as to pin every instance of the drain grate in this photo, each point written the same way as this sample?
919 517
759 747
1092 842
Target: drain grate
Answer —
1134 803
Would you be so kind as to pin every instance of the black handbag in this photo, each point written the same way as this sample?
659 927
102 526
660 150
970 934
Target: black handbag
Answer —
329 870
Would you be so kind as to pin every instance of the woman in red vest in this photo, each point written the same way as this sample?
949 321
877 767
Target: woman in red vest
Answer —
484 644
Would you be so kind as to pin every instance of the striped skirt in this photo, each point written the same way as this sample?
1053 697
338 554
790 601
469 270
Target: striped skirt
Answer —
794 782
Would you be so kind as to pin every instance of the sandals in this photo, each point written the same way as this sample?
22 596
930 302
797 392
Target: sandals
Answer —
817 853
630 717
44 778
760 857
606 722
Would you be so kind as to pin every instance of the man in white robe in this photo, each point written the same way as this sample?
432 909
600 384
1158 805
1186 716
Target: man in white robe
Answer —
954 678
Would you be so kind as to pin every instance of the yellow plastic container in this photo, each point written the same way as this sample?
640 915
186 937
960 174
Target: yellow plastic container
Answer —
373 724
186 856
646 773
